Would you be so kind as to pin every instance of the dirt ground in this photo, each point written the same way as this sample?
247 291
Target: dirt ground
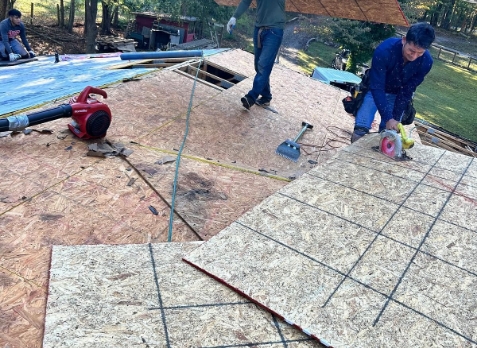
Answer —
47 39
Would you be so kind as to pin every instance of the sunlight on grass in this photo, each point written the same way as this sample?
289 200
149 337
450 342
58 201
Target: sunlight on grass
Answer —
318 54
447 98
46 9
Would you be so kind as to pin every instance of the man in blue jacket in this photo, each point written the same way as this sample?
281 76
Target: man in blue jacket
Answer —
10 48
267 38
398 67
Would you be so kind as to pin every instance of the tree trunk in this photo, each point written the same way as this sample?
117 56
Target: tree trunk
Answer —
106 23
473 23
90 29
71 20
62 14
449 11
435 16
115 17
3 9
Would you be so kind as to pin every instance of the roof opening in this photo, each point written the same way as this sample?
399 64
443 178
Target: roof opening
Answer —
214 75
211 74
151 63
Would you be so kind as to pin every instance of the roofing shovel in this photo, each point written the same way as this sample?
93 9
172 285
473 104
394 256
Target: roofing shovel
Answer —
290 149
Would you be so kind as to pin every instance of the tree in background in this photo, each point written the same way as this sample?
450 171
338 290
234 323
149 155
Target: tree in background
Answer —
454 15
107 8
361 38
3 9
205 10
71 19
90 29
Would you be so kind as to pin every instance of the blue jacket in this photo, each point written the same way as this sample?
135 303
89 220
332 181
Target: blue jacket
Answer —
389 74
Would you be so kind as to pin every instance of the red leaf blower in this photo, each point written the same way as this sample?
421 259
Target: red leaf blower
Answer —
91 118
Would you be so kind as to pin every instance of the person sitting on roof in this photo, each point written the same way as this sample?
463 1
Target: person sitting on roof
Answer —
399 65
10 48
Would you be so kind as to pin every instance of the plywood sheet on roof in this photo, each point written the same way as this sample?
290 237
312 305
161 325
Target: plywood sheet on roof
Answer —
221 129
364 251
149 297
146 105
209 196
106 201
381 11
52 193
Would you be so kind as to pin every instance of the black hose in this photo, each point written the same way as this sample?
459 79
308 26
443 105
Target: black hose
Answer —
16 123
61 111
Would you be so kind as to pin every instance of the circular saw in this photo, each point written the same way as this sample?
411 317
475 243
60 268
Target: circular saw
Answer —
394 144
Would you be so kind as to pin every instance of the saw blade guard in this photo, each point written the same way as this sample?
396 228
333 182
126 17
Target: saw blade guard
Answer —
391 144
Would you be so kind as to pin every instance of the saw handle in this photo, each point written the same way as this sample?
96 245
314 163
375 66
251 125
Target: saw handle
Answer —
305 126
84 95
406 142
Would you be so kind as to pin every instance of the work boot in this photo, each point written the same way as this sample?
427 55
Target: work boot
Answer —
247 102
263 102
358 133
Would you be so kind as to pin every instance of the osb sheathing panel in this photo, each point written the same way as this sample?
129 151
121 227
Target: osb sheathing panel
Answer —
53 194
143 107
208 196
364 251
381 11
221 129
144 295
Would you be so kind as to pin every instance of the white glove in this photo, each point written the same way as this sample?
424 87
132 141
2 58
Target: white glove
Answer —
13 57
31 54
231 24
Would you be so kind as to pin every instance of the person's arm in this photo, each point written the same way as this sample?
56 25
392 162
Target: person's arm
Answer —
241 8
23 37
4 34
410 87
377 75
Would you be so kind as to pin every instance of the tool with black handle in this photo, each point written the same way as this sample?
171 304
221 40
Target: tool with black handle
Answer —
91 117
290 149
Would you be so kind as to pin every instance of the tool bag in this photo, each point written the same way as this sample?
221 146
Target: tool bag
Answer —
409 114
353 102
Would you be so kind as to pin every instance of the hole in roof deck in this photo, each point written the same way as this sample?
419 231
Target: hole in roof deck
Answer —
213 74
217 75
152 63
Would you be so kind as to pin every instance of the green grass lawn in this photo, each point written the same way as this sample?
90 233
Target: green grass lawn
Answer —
445 98
318 54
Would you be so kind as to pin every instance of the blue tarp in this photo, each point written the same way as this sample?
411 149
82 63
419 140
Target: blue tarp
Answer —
28 85
331 76
32 84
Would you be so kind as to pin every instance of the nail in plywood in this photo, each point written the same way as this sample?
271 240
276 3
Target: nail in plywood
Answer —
362 265
144 295
380 11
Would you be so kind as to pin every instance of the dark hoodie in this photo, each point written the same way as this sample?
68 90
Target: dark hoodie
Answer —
10 32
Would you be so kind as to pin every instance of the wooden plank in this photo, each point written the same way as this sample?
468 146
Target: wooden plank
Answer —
16 62
180 72
437 138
